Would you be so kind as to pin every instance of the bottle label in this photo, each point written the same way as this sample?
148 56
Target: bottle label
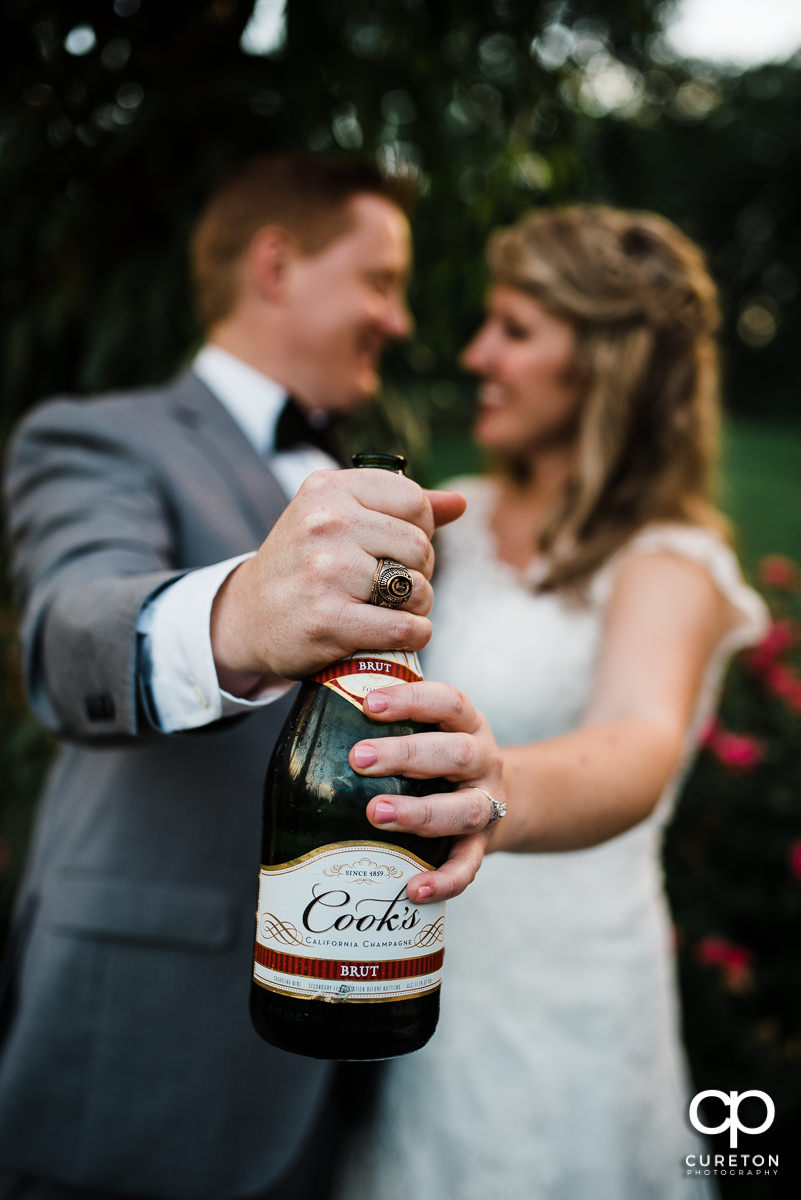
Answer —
336 924
355 676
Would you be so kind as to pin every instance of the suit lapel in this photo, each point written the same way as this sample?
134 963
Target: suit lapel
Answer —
219 438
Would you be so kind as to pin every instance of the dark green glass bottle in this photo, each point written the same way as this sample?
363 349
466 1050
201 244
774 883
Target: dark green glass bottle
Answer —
345 965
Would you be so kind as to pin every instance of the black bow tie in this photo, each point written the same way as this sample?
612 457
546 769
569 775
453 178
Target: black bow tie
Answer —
295 427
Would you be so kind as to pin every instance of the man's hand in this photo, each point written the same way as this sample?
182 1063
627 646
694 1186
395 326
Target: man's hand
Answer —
461 749
300 602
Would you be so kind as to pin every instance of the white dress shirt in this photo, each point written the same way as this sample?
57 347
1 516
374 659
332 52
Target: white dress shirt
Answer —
176 656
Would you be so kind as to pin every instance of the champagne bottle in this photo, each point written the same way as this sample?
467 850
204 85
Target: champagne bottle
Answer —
345 965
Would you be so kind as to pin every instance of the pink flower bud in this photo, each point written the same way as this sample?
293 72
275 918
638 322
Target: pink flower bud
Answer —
782 636
735 961
783 681
778 571
736 750
795 860
711 950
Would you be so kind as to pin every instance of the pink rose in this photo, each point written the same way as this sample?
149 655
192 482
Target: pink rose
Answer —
783 681
795 860
711 950
735 961
722 953
736 750
781 637
778 571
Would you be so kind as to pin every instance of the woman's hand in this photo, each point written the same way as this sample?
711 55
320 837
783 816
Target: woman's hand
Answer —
462 750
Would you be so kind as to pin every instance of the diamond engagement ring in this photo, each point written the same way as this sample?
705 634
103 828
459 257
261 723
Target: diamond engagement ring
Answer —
392 584
497 807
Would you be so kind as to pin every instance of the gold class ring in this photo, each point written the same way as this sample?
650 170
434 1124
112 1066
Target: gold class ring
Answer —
392 584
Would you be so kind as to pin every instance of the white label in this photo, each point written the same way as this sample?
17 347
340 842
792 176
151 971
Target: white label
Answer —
336 924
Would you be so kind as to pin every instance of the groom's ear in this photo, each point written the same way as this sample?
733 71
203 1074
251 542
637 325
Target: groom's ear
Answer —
268 260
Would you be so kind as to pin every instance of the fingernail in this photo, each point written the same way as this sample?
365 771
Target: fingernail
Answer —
424 892
384 811
365 755
375 702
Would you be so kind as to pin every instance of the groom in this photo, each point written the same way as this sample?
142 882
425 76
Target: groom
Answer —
149 629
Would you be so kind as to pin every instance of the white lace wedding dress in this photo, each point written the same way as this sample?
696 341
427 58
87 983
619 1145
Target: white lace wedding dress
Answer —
556 1072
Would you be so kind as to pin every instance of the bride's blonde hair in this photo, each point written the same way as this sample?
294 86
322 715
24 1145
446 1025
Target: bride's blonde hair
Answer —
645 314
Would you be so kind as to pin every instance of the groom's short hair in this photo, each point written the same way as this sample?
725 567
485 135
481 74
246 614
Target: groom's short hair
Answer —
303 193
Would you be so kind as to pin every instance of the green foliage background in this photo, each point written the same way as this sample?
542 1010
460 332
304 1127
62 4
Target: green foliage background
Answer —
115 116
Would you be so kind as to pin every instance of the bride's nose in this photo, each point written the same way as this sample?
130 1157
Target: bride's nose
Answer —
477 354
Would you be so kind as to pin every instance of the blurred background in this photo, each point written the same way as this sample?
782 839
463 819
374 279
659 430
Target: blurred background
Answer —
116 115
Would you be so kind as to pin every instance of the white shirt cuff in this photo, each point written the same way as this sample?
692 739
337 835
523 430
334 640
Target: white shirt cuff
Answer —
182 684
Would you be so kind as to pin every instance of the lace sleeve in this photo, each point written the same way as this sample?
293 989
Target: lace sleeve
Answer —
708 549
749 625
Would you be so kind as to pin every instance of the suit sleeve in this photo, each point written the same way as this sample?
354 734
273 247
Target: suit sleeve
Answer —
91 541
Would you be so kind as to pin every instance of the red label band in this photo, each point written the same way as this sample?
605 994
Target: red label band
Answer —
326 968
365 666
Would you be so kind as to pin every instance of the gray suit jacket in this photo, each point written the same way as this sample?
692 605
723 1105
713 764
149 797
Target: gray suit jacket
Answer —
128 1061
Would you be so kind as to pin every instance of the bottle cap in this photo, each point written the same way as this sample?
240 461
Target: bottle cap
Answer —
382 461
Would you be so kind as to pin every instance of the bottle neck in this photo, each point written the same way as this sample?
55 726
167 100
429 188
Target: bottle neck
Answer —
398 666
382 462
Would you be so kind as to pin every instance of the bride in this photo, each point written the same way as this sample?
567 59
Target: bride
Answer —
587 603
